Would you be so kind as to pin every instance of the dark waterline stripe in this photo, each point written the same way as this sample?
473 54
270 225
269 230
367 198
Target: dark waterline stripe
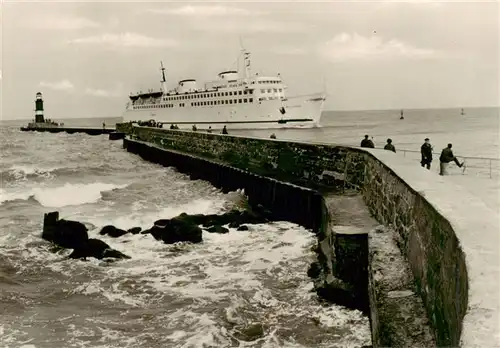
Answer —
240 122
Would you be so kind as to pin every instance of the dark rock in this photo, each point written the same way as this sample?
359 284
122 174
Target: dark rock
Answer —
65 233
112 231
314 270
217 229
148 231
339 292
250 333
71 233
234 218
185 227
115 254
242 228
50 225
234 224
106 229
178 229
98 249
134 230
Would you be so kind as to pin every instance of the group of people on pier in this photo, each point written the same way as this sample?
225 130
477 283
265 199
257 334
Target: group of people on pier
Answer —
445 158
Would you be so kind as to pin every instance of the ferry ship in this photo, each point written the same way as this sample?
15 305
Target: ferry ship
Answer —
232 100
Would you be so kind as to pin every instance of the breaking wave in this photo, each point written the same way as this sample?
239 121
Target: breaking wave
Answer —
57 197
240 289
27 172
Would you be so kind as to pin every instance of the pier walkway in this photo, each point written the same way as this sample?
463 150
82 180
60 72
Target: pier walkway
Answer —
71 130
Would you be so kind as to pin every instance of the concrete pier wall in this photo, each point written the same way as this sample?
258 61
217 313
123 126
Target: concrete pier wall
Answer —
433 276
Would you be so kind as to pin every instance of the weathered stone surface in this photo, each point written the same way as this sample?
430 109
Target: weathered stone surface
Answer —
430 245
398 317
306 165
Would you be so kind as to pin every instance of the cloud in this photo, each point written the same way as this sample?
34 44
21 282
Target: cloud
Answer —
349 47
430 3
60 85
60 23
205 11
102 93
124 40
235 26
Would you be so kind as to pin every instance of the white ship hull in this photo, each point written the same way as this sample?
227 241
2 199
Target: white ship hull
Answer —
300 112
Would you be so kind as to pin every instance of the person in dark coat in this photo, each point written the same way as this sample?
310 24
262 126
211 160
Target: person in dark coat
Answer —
426 152
446 157
367 142
389 146
224 130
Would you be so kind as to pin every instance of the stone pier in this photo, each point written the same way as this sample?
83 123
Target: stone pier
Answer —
405 264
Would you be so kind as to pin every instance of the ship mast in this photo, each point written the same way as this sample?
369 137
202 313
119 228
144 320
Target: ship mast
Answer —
163 80
246 59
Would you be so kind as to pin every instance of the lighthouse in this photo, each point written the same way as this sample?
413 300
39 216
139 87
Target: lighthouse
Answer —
39 108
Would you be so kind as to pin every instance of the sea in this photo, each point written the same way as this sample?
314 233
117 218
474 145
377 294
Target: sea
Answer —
240 289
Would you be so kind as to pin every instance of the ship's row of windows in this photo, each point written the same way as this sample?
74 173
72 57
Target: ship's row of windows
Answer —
156 106
209 95
203 103
269 81
271 90
220 102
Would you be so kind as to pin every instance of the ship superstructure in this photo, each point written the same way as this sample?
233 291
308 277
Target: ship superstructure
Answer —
236 99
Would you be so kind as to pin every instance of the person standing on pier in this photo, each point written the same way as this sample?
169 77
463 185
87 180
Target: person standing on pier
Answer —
426 152
224 130
389 146
367 142
446 157
103 125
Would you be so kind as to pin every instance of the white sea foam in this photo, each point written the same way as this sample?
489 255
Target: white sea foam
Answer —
61 196
22 171
7 196
225 284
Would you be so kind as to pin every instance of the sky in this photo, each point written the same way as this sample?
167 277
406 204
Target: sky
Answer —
87 57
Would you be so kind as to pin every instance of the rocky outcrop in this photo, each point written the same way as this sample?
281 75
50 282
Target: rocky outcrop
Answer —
98 249
182 228
178 229
65 233
74 235
186 228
